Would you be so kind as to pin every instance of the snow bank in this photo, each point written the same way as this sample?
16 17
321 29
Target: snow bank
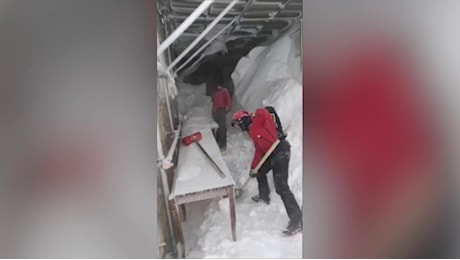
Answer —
272 76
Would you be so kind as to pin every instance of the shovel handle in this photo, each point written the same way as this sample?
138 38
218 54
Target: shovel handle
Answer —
270 150
268 153
264 158
245 184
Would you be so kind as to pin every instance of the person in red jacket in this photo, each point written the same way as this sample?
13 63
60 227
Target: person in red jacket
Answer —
221 105
262 130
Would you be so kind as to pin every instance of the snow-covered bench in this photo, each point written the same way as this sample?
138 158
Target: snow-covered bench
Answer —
197 179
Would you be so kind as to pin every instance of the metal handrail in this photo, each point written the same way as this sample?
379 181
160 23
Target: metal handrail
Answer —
179 30
210 26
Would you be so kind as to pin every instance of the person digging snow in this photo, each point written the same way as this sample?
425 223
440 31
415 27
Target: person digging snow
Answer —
262 128
221 105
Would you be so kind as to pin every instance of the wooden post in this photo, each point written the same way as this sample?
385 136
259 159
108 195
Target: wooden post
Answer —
183 212
231 196
178 226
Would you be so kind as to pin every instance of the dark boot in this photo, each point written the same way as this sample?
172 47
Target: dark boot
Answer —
293 228
258 198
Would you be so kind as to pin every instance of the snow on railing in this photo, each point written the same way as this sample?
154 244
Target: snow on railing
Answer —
206 31
189 21
204 46
169 82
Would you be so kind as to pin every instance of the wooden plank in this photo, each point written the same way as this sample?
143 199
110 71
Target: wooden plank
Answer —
202 195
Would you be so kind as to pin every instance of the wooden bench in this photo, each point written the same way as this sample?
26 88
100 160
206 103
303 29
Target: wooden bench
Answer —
197 179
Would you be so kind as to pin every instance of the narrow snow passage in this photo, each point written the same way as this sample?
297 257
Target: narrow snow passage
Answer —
207 228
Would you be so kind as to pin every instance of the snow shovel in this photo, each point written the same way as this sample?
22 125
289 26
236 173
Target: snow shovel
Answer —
195 138
239 191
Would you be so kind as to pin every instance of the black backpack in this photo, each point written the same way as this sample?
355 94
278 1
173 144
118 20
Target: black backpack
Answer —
279 127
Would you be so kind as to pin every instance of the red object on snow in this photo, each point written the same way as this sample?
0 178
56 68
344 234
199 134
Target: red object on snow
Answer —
192 138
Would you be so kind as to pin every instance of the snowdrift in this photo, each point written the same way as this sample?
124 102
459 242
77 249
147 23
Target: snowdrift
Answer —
272 76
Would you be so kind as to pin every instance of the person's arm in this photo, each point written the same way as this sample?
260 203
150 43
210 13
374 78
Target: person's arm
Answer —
257 156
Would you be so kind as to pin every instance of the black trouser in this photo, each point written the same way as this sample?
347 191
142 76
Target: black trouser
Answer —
278 162
221 134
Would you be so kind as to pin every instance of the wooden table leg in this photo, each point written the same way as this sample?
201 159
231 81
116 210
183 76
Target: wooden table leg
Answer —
231 196
177 224
183 212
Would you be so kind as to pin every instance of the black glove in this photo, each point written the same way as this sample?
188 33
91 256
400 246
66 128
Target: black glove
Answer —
282 136
252 173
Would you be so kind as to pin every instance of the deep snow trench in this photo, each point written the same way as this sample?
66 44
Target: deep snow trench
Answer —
267 76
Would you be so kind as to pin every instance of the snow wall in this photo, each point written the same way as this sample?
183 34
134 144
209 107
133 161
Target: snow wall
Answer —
272 76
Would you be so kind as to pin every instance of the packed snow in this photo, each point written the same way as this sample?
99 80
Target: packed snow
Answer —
193 173
268 76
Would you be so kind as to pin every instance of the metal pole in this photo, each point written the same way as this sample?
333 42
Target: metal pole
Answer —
184 25
204 46
210 26
273 15
160 57
164 183
174 143
165 89
246 7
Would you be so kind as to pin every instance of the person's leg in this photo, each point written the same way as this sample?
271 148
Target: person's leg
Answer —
221 135
216 116
223 129
280 176
264 189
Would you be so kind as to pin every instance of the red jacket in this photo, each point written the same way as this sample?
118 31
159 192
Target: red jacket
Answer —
221 99
263 133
